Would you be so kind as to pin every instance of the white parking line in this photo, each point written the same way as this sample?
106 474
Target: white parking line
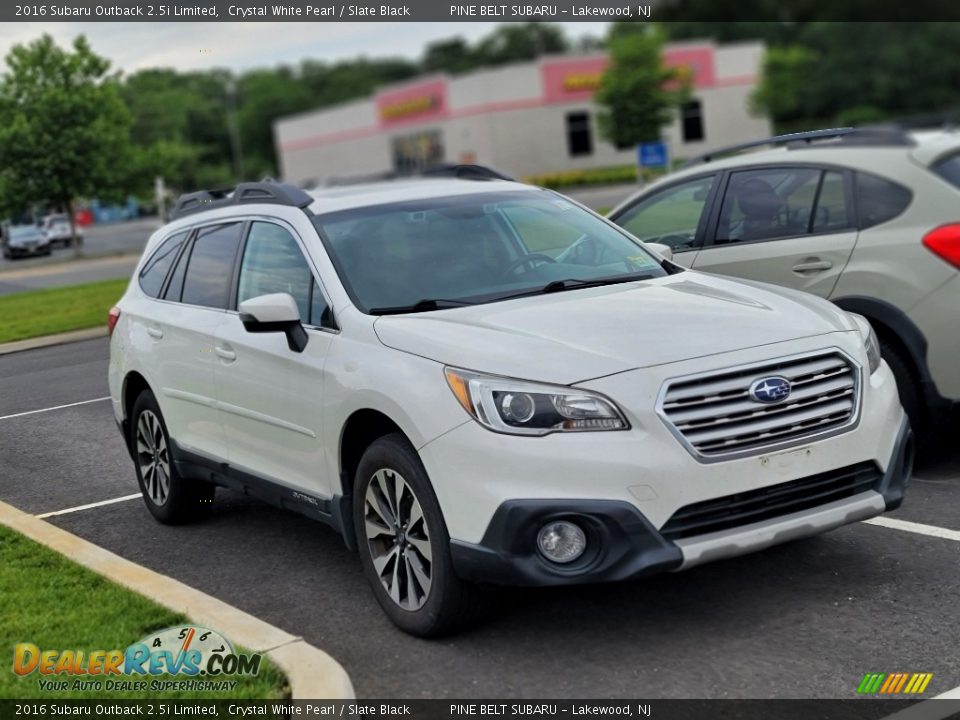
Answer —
51 409
917 528
88 506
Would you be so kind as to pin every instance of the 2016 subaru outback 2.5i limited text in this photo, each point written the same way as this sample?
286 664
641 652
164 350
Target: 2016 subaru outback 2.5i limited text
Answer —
483 382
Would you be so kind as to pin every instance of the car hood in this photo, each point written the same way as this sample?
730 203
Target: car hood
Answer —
577 335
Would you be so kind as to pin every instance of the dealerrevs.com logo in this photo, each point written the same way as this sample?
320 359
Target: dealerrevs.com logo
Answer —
200 659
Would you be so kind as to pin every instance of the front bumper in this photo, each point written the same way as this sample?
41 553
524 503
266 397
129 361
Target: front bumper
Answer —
622 544
23 251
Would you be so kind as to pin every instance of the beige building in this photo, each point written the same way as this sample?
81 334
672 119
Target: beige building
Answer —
522 119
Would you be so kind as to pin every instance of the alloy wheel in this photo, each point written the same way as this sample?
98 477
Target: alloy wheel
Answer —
398 539
153 458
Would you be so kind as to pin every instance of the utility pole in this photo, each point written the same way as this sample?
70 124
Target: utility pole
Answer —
233 127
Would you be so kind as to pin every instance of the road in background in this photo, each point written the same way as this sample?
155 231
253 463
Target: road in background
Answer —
602 197
109 251
98 241
61 274
805 619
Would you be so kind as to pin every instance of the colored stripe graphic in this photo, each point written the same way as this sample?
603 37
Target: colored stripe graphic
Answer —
870 683
894 683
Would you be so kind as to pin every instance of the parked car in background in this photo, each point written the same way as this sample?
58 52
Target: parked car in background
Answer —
57 229
869 219
24 240
482 382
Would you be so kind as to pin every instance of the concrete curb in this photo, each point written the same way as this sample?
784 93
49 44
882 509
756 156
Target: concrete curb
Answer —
49 340
312 673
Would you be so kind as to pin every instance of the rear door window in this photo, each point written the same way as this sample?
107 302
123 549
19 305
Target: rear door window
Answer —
773 203
209 273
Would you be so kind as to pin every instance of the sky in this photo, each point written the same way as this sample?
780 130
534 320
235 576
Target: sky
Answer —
238 46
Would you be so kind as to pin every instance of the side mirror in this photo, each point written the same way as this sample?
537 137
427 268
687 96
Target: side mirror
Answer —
664 250
275 313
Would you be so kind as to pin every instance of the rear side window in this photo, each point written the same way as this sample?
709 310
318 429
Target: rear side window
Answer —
949 169
210 271
879 200
155 270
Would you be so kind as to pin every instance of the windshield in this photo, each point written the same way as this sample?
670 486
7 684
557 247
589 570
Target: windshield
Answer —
474 249
24 231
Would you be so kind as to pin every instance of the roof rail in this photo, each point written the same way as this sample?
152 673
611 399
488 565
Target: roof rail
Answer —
464 172
876 135
454 170
267 192
805 137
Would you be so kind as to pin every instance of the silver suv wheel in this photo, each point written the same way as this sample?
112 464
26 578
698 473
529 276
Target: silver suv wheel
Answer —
152 457
397 539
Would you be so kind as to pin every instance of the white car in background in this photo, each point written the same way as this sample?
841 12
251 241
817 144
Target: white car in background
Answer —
482 382
57 229
869 219
24 241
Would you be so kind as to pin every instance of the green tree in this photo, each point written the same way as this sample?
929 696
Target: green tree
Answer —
63 126
516 42
638 92
263 96
453 55
839 72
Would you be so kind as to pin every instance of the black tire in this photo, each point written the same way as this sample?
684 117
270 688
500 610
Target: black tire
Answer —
908 387
183 499
449 604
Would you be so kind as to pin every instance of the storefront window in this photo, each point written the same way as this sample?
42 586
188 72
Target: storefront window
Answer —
579 141
413 152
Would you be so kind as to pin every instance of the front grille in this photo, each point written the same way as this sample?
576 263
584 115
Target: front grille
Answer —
715 415
770 502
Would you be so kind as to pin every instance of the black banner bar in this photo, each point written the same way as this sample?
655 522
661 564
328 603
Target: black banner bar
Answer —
468 11
864 709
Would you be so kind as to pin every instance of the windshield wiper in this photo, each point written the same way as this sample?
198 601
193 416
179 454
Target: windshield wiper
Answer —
425 305
577 283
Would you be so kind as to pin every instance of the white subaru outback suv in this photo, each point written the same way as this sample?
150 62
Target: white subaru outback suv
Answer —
867 218
482 382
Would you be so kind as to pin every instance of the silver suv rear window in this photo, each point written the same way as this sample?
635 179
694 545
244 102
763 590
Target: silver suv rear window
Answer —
949 169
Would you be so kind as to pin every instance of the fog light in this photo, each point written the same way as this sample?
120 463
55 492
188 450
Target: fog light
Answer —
561 541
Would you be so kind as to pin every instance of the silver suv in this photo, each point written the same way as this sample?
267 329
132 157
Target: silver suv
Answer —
866 218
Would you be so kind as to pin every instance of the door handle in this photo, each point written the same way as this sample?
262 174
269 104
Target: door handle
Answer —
155 332
224 353
812 265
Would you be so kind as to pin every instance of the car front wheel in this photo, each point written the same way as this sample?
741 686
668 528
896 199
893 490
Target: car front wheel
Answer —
170 498
404 545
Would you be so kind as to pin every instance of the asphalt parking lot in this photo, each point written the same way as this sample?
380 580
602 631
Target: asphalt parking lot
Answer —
806 619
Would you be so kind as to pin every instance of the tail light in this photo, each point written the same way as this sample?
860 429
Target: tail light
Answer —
112 317
944 242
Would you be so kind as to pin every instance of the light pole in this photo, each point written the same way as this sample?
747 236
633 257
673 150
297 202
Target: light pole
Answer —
233 126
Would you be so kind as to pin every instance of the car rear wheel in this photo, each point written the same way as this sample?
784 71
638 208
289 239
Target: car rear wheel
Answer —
170 498
403 543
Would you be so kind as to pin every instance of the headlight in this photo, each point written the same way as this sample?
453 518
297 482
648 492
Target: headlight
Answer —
524 408
870 342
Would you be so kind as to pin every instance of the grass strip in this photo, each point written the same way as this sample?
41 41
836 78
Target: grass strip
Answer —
50 601
49 311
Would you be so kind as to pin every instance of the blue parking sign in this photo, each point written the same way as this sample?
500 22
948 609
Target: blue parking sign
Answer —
652 154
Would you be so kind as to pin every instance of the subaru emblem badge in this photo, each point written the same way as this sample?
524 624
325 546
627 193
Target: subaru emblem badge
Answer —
770 390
